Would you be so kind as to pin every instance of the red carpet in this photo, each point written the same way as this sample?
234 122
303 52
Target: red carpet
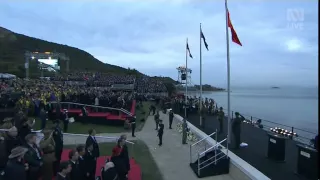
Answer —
134 173
107 115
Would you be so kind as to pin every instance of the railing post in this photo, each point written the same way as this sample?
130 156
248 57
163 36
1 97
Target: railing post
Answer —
251 119
292 132
216 136
198 164
190 153
231 114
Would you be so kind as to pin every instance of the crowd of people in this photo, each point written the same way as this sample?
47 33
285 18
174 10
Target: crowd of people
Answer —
25 156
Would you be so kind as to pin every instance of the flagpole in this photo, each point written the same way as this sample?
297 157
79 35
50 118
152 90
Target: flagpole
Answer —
186 71
200 102
228 75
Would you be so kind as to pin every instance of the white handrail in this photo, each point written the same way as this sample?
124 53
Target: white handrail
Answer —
216 145
212 162
103 137
79 104
128 112
83 135
212 157
204 138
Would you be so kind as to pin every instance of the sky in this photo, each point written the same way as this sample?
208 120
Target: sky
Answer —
279 38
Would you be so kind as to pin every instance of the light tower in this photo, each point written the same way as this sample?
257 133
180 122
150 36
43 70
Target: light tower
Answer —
182 77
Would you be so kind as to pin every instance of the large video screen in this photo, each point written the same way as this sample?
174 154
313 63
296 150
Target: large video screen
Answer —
49 64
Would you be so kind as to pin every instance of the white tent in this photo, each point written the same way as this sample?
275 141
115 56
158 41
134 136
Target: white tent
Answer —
7 76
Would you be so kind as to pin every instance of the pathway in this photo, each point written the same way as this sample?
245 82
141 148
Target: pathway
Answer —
172 157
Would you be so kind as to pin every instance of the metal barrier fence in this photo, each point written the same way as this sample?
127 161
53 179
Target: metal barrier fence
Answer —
201 146
70 105
215 147
303 136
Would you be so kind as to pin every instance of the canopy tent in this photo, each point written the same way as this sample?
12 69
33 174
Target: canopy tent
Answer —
7 76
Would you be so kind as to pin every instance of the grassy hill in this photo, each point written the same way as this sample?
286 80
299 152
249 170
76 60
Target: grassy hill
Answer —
13 46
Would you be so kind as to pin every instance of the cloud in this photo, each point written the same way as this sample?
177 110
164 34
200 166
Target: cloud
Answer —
150 36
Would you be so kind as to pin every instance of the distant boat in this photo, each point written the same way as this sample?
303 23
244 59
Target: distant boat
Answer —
275 87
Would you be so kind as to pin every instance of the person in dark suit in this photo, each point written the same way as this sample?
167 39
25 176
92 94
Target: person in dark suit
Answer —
58 139
133 125
65 120
156 119
160 132
170 118
33 157
43 117
82 168
64 169
73 160
89 163
58 111
236 129
84 111
221 119
125 153
91 140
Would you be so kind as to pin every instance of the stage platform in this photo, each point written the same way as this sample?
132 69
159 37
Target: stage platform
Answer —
256 151
134 173
103 118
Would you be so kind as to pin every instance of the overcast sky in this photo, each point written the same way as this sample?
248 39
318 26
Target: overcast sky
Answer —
150 35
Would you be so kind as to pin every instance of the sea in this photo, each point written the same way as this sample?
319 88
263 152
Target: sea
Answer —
293 107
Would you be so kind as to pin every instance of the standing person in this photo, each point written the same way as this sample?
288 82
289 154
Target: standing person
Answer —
90 163
156 119
47 146
170 118
65 119
82 168
96 103
133 125
236 129
64 169
221 119
33 157
43 117
16 169
58 111
125 153
91 140
160 132
184 131
58 139
75 173
119 161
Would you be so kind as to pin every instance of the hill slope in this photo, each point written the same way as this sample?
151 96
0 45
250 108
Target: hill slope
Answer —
13 47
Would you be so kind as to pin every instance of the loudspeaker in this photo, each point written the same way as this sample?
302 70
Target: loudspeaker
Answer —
183 77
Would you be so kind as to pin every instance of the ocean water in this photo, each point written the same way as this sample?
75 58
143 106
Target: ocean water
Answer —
297 107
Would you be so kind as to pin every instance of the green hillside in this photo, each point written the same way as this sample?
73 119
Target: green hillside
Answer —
13 46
